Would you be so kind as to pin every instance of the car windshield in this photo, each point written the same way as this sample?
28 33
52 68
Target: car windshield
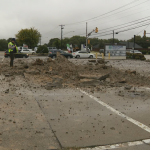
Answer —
62 52
24 48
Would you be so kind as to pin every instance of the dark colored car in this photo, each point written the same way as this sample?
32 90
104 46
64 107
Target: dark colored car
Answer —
17 55
53 54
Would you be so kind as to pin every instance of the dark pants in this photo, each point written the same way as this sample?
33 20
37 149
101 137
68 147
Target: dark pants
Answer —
11 59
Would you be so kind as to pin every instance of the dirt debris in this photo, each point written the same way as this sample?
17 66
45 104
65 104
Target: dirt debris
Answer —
61 72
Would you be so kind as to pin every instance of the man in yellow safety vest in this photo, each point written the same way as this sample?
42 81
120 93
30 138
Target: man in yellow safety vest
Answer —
12 49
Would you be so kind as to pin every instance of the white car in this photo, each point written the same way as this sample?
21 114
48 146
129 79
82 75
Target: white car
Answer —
27 51
135 51
83 54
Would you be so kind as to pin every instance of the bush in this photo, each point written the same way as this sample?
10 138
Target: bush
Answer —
135 56
42 49
144 52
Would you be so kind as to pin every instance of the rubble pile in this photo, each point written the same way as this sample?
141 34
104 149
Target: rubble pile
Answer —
61 72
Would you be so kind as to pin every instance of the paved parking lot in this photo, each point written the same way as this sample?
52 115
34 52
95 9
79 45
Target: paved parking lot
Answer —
98 117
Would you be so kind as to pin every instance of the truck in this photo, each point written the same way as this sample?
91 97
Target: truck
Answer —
25 50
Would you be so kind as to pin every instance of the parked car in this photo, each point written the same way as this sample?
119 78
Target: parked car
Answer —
17 55
135 51
51 48
53 54
26 50
83 54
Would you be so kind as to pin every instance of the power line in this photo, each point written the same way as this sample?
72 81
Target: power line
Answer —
143 29
116 19
129 29
142 20
111 11
104 13
124 26
123 10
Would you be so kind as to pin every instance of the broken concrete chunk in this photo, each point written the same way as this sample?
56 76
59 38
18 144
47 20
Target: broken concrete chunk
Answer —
108 80
123 81
7 75
104 77
57 83
128 87
6 91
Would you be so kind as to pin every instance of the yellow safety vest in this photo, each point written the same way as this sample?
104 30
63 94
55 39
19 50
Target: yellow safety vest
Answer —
11 50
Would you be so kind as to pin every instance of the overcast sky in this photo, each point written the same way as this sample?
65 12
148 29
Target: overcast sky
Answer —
47 15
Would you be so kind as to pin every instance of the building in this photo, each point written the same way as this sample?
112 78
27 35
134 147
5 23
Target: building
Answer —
130 45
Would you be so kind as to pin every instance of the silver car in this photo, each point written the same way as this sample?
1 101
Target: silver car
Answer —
135 51
83 54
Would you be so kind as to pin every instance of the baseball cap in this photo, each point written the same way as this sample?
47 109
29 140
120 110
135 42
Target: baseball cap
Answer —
13 39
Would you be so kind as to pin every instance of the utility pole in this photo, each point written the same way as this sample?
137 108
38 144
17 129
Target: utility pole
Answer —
61 34
88 34
40 39
113 36
134 41
86 37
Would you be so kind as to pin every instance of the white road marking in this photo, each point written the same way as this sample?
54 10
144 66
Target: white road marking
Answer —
139 124
121 145
147 141
145 88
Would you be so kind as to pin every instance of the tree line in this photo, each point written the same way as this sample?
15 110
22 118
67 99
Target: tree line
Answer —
32 38
78 40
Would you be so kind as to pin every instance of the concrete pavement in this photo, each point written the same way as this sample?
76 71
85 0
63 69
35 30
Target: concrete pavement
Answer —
35 118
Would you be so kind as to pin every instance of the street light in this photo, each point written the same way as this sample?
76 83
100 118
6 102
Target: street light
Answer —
113 35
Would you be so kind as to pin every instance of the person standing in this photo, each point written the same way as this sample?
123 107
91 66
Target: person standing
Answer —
12 49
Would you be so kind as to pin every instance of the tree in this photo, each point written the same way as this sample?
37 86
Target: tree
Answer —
142 41
30 37
56 44
3 44
52 41
42 49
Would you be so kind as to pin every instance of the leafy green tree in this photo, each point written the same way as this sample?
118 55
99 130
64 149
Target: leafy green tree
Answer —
142 41
3 44
30 37
52 41
57 44
42 49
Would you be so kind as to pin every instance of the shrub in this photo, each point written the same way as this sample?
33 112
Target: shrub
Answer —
42 49
144 52
135 56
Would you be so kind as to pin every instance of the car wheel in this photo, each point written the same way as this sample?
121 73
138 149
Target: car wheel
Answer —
91 56
32 53
77 56
24 56
68 57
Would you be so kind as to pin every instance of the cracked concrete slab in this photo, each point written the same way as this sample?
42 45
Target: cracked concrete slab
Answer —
133 103
78 121
23 125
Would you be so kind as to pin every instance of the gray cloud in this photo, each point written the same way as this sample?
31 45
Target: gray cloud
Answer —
47 15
